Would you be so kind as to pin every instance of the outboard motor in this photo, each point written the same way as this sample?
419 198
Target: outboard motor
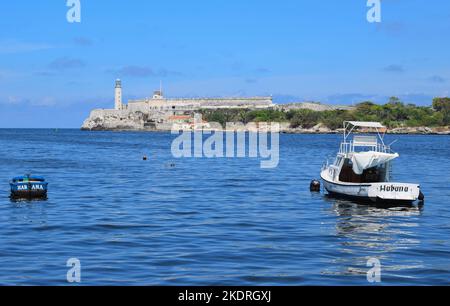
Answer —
314 186
421 197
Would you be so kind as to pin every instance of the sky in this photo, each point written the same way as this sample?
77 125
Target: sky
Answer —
52 72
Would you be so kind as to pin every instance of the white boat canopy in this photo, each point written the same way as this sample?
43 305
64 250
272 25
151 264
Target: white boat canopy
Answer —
366 160
366 124
350 126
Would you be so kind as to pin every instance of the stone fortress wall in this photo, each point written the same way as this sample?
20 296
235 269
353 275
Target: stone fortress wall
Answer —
196 104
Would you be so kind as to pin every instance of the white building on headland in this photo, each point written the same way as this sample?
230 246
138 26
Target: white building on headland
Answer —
118 96
159 103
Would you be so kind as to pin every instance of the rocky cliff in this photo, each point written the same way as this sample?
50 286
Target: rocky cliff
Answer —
114 120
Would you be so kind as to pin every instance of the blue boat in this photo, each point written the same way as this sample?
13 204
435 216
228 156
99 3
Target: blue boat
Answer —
28 187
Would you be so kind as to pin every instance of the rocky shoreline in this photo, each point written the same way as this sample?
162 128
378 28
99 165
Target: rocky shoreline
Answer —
396 131
312 131
138 121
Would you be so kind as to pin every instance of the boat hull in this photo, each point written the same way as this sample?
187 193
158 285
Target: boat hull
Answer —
29 190
375 192
370 201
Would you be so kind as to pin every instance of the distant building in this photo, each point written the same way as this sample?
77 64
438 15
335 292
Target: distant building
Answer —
118 96
158 95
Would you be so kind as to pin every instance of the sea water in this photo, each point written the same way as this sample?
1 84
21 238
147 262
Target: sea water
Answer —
200 221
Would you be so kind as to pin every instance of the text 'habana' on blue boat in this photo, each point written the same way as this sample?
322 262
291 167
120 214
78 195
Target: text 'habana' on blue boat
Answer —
28 186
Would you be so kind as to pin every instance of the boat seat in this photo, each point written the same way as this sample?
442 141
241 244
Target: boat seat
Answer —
365 141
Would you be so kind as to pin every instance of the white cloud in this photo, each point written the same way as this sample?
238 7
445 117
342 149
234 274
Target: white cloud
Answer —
11 47
14 100
65 63
45 101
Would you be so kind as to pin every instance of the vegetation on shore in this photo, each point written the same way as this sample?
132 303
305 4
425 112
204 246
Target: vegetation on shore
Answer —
393 114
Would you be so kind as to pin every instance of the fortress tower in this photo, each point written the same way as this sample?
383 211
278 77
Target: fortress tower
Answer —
158 94
118 96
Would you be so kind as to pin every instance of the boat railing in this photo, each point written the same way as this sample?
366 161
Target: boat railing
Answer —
349 147
330 161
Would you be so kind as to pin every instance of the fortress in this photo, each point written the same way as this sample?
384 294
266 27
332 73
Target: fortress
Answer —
159 103
160 113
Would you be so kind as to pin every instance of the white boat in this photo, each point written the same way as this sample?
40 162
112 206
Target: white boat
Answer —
362 168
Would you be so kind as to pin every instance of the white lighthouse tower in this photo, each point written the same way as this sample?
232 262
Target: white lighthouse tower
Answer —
118 96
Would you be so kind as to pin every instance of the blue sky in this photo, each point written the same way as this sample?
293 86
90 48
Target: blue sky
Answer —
52 73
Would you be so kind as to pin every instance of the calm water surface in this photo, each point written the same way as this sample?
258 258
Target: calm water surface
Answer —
173 221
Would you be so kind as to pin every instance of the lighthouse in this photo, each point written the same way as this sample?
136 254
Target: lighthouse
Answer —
118 95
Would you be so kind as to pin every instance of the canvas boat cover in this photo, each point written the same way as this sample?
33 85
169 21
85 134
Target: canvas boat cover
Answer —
366 160
366 124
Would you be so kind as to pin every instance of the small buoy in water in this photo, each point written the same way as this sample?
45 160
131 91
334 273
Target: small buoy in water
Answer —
421 197
315 186
145 157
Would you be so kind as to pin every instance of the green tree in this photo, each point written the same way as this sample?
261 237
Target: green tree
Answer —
305 118
442 105
334 119
394 101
